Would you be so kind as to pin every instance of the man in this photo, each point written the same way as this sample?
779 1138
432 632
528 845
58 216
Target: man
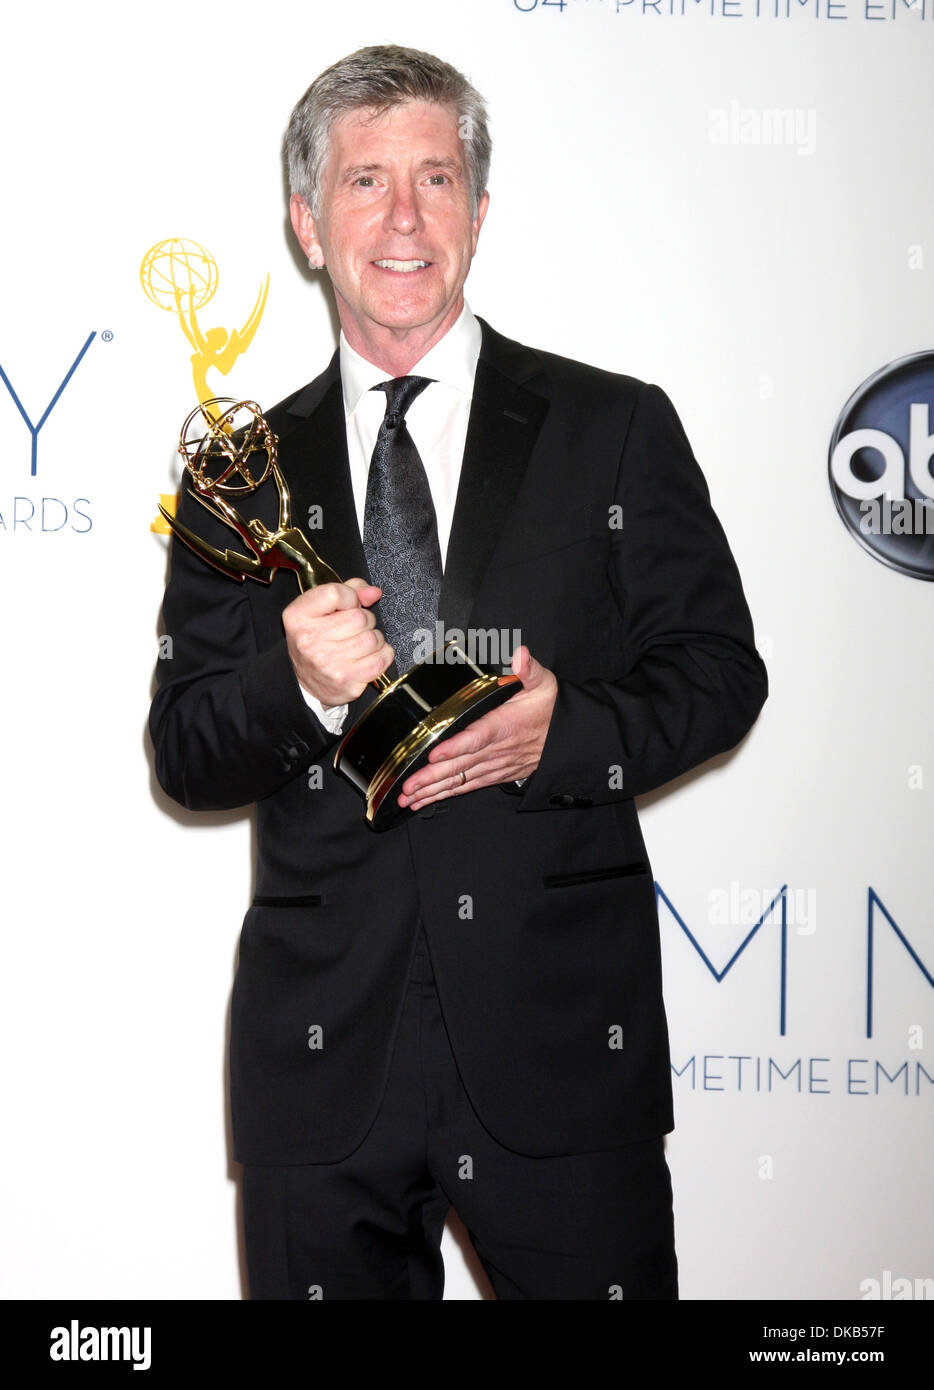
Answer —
466 1009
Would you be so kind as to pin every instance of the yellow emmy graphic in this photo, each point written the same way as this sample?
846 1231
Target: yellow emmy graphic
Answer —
181 277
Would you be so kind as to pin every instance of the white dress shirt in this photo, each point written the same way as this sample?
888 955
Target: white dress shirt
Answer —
436 419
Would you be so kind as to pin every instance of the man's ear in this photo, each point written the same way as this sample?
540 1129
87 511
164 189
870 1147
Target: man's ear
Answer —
482 204
303 225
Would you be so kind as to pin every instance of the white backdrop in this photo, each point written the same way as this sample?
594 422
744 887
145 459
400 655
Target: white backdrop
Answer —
635 222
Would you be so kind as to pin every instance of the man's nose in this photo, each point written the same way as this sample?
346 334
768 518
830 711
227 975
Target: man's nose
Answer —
402 213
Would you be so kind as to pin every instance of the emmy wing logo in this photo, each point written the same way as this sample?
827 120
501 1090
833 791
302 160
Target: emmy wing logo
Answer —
181 277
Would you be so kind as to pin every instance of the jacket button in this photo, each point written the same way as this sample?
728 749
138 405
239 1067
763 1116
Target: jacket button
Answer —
564 800
290 753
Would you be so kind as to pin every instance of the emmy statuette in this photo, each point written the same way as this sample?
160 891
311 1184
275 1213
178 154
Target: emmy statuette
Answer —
393 737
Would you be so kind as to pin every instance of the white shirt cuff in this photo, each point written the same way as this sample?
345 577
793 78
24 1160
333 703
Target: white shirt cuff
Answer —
332 718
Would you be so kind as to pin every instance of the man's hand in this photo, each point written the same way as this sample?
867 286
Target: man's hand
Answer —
335 645
502 746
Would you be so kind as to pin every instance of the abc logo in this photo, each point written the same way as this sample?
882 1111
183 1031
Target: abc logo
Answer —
880 465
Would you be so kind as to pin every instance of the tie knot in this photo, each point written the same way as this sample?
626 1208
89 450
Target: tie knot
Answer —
400 393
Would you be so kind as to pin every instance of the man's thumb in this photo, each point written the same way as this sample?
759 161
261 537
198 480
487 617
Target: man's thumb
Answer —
526 667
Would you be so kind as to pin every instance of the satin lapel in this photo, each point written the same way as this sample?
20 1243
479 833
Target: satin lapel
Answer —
313 458
505 419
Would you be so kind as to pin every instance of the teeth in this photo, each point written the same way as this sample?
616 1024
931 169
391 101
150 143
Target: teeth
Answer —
401 265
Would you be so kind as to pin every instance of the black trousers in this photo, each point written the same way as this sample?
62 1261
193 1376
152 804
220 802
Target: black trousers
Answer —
583 1226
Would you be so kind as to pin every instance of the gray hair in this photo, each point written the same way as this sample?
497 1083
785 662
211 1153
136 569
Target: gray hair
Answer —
381 77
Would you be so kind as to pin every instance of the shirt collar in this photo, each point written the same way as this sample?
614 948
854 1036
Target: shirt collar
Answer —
452 360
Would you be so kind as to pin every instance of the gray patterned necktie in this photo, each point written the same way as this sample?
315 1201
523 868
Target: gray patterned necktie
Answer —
400 529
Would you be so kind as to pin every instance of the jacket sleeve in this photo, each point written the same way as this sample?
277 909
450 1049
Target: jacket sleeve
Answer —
229 724
692 682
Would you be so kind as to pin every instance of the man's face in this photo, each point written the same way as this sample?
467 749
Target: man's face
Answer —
396 229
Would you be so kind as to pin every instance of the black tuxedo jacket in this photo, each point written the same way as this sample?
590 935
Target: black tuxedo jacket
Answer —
583 521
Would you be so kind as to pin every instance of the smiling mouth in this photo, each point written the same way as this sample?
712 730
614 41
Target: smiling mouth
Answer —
406 267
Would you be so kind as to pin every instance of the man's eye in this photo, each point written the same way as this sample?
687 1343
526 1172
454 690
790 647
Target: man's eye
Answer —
365 181
438 178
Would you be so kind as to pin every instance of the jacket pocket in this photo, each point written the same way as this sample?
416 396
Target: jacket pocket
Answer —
594 875
301 900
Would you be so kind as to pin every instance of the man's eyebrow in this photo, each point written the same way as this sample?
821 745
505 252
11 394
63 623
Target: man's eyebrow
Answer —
446 162
441 162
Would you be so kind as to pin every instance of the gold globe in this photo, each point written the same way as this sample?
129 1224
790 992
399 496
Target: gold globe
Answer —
178 270
218 443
